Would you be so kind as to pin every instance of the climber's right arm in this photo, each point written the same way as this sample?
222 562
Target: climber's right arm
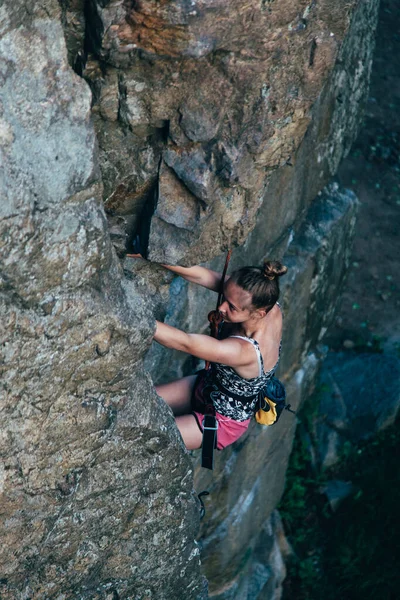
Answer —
200 275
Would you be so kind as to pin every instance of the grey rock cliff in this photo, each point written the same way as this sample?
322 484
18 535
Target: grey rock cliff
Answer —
204 126
86 508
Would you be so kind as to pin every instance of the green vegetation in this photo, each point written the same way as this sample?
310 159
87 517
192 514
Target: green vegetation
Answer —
352 553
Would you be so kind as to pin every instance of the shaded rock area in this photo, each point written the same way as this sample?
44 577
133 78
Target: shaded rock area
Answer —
267 569
359 396
205 126
336 491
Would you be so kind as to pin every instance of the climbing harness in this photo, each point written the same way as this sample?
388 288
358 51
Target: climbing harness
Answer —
210 423
210 428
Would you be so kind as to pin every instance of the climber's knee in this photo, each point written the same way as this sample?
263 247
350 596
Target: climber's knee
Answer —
178 394
190 431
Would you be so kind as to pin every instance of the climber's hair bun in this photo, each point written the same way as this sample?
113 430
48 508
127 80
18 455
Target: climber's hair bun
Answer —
273 268
261 282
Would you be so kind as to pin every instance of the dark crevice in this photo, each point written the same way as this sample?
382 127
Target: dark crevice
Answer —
164 131
92 36
94 30
80 63
313 49
121 97
138 238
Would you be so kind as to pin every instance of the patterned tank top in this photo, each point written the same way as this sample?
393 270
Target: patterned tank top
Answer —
232 395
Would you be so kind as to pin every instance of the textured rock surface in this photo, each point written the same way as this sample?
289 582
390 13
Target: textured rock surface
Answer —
204 103
317 258
83 434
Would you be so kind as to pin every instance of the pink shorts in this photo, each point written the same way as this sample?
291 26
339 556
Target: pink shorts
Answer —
228 430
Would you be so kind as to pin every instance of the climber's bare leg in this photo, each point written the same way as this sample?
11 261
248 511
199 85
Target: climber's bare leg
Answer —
190 432
177 394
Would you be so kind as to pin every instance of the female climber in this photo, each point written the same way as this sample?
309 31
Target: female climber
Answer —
242 360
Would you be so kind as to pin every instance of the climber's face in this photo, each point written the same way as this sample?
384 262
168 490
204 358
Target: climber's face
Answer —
236 303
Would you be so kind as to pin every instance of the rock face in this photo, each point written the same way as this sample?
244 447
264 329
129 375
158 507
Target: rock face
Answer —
85 509
208 124
213 99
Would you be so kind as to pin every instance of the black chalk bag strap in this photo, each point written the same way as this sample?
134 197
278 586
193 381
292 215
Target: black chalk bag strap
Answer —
210 427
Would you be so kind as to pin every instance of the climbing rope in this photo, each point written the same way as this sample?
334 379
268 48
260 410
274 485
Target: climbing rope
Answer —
214 316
